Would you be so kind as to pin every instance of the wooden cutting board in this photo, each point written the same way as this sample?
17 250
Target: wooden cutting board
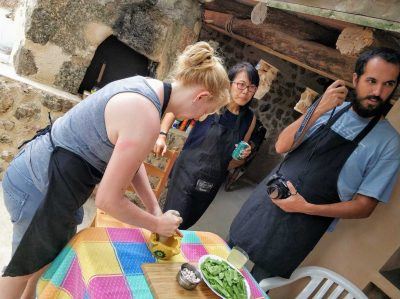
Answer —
161 278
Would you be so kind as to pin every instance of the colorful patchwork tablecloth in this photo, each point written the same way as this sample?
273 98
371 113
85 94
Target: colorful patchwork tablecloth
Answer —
106 263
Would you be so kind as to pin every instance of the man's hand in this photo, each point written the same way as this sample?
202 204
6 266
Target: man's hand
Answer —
168 223
294 203
334 96
161 146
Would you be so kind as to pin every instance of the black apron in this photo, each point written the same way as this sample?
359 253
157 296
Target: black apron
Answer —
276 241
71 181
199 171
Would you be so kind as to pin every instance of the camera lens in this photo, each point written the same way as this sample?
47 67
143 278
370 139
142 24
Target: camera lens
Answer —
273 191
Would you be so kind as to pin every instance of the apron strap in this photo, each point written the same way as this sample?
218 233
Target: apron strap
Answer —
167 95
242 114
367 129
40 132
216 117
335 117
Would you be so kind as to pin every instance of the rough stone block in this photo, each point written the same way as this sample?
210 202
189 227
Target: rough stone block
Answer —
56 104
7 125
43 25
27 111
140 27
70 76
6 102
4 138
7 155
24 62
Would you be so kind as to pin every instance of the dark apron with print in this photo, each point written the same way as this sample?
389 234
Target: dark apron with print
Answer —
276 241
199 172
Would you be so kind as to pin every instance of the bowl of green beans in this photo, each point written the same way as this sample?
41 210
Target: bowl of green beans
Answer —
223 278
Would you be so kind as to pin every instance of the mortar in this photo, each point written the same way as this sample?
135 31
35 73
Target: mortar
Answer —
165 248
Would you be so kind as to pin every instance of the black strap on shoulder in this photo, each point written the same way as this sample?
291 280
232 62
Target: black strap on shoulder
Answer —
367 128
242 116
167 95
335 117
40 132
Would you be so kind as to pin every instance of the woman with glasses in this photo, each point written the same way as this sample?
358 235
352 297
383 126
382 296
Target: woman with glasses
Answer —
206 157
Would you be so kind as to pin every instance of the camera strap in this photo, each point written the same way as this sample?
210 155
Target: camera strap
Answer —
302 129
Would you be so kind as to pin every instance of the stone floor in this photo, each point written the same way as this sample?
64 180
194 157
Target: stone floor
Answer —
214 220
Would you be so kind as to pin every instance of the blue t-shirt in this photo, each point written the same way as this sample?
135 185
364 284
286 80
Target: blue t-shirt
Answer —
372 168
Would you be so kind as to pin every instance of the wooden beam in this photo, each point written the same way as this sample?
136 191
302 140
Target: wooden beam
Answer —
277 54
354 40
353 18
291 25
239 10
310 55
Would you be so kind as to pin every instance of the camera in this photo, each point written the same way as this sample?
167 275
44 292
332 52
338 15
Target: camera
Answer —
277 187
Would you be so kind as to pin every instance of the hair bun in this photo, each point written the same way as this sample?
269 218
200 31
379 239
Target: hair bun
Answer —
200 55
198 64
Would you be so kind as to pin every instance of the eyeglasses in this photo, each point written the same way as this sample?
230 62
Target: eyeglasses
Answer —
243 86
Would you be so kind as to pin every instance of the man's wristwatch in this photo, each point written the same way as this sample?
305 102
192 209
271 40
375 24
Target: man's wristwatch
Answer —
164 133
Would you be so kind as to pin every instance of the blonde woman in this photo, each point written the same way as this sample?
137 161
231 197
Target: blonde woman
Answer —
102 140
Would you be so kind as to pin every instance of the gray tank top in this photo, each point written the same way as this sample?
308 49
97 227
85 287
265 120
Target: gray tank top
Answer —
82 130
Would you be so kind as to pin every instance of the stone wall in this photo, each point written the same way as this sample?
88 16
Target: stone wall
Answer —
275 109
62 36
24 110
10 4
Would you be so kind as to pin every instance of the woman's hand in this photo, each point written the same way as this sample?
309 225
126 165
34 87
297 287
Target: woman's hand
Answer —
168 223
161 146
334 96
295 203
246 152
237 163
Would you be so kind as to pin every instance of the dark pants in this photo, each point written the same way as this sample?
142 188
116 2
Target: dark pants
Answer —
190 211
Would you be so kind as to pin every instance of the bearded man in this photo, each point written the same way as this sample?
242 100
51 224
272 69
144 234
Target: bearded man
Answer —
339 164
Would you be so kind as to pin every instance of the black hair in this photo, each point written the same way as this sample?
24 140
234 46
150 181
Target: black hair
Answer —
387 54
250 70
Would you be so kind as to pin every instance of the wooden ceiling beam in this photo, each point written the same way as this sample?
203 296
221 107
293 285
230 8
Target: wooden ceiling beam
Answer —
354 40
234 8
310 55
362 20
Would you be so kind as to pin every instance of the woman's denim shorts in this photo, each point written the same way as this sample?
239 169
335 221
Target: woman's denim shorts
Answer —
21 197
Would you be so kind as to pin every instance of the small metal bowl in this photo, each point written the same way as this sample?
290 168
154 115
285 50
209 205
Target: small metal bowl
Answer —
183 282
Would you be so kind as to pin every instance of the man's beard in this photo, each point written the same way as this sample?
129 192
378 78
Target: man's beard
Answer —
370 110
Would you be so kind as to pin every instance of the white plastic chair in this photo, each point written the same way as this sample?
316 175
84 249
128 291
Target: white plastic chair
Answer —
319 277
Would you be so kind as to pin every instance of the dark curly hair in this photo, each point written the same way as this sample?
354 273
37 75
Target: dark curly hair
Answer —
387 54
